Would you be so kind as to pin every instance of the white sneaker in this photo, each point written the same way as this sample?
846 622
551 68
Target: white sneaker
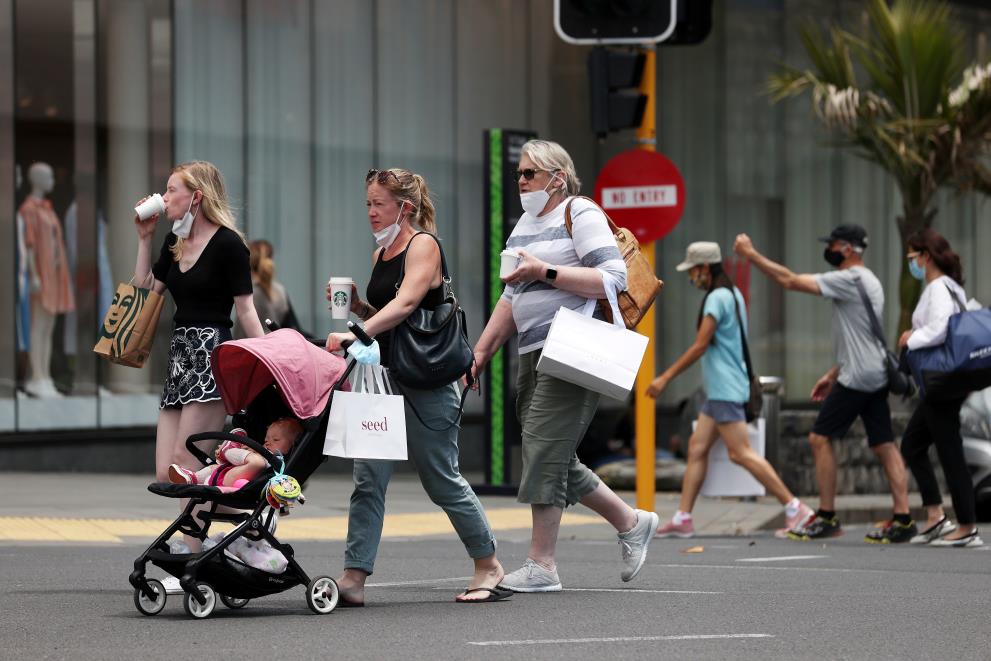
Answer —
634 542
531 577
172 586
968 541
942 527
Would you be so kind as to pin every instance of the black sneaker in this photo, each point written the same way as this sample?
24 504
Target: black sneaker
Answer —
817 528
892 532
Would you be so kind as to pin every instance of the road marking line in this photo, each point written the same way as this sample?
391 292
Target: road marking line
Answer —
781 558
628 590
805 569
295 528
618 639
423 581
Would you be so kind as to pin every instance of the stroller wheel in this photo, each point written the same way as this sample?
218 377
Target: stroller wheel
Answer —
322 595
195 608
148 606
233 602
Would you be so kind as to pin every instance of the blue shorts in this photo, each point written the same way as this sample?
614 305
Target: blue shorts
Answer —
723 411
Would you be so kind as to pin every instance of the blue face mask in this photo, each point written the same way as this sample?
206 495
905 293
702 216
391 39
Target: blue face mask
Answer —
918 272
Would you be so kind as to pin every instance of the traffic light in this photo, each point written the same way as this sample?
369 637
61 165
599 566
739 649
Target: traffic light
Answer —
614 21
663 22
614 81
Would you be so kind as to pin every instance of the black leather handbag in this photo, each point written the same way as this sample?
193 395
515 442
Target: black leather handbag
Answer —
430 348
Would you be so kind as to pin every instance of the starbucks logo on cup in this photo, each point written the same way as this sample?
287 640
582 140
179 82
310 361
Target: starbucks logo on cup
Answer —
340 299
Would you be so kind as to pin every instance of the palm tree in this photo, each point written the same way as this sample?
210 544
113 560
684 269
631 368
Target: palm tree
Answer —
920 111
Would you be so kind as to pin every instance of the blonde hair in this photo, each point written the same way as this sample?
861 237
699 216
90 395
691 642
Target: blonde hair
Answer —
204 177
262 264
407 186
552 157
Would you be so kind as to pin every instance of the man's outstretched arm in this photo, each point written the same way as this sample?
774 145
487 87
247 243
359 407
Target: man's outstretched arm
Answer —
806 283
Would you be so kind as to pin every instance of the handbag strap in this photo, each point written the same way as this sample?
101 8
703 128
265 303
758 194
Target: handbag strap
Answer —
956 298
743 337
443 261
875 323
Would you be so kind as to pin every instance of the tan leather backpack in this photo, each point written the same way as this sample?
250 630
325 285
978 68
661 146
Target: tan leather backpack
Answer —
642 285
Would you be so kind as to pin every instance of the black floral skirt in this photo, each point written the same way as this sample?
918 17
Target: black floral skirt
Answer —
190 377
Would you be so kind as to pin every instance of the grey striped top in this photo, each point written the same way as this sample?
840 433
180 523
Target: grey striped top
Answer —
593 245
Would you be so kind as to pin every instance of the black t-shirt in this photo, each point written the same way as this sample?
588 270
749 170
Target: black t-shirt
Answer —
204 295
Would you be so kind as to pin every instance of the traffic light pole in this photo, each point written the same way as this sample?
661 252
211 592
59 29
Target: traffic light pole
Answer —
645 428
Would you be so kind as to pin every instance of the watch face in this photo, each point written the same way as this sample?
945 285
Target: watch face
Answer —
551 274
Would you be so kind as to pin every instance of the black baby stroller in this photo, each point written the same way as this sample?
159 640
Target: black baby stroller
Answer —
260 380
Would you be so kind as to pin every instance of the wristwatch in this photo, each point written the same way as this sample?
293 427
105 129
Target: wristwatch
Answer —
551 274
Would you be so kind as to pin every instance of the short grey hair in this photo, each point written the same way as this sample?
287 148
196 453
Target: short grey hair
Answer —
552 157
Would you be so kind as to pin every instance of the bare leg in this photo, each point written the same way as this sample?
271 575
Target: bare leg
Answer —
699 444
894 468
822 450
734 435
934 514
352 585
543 538
488 574
193 419
604 502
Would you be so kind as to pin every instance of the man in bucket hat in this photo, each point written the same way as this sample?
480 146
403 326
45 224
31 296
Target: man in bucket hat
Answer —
857 385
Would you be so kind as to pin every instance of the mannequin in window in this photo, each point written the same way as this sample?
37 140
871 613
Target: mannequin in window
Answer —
48 270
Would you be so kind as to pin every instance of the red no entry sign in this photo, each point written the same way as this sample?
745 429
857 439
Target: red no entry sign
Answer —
643 192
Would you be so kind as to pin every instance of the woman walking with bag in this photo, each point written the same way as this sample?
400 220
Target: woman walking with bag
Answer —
936 420
407 275
720 343
557 269
204 264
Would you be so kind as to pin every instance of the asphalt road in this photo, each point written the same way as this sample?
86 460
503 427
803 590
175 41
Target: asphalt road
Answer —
741 597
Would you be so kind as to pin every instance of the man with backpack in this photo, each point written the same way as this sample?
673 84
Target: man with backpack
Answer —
857 384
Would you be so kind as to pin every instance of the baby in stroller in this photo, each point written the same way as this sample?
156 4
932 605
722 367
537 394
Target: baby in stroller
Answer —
237 464
278 386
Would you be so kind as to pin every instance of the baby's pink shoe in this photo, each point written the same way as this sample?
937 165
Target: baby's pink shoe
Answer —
180 475
225 446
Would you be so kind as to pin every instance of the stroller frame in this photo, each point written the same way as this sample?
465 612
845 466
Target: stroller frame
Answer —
211 573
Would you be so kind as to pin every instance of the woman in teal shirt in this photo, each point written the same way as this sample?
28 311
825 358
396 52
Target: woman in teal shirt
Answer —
719 343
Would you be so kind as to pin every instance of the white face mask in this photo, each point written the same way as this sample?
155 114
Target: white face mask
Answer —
182 226
533 203
386 236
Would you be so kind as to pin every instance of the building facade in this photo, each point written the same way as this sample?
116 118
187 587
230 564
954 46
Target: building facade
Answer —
295 100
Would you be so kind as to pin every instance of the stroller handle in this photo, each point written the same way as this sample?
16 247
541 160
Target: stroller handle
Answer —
359 333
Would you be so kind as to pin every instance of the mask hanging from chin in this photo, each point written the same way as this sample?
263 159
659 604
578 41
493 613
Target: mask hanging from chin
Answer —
182 227
533 203
386 236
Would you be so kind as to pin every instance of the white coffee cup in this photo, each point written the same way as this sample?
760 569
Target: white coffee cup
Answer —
151 206
340 297
508 261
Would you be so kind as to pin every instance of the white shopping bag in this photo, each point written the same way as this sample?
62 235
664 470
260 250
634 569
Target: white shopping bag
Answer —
602 357
723 477
369 422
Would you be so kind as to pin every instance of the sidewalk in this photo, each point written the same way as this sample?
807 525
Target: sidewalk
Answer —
107 508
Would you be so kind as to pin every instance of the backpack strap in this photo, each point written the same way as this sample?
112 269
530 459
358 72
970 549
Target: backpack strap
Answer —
567 214
875 323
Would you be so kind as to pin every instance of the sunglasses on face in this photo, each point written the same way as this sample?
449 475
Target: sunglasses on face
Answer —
380 176
528 173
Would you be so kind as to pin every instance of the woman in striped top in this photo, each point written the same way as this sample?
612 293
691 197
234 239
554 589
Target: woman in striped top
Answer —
557 269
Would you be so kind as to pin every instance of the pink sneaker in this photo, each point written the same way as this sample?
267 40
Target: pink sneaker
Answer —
224 447
180 475
797 522
684 530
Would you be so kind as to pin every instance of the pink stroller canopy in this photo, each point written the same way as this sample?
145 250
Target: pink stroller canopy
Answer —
305 373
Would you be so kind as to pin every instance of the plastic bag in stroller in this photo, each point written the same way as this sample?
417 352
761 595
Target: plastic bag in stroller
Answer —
260 380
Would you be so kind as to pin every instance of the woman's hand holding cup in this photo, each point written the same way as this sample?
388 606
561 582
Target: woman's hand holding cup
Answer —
146 213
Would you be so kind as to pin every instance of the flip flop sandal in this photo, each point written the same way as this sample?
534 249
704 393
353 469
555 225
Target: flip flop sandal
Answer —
495 594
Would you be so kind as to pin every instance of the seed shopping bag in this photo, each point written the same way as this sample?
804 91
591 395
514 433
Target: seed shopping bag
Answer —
369 422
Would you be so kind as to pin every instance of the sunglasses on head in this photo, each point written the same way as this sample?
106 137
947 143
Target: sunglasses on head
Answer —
528 173
380 176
